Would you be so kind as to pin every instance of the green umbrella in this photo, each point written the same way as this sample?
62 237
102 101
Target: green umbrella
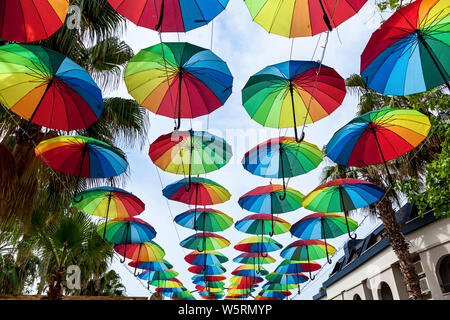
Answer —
204 219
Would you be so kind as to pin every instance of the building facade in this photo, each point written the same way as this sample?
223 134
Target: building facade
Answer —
369 269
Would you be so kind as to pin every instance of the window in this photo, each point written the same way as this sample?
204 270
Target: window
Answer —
443 270
384 292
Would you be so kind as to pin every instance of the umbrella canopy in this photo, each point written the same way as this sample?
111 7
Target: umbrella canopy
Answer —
190 152
212 284
158 275
178 80
307 250
160 265
48 89
273 199
294 278
205 241
282 157
207 257
258 244
203 192
208 278
262 224
238 280
279 295
301 18
109 202
293 93
409 53
323 226
29 21
211 289
378 136
279 286
170 283
212 270
289 267
206 219
147 251
169 16
253 258
249 271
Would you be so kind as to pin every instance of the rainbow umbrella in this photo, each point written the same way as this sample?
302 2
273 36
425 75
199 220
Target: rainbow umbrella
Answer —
169 283
82 157
278 295
249 271
206 219
158 275
212 284
282 94
146 251
238 280
169 16
253 258
211 289
48 89
307 250
282 157
378 136
190 152
208 278
207 257
109 202
178 80
212 270
293 278
262 224
409 53
160 265
29 21
127 231
258 244
278 286
295 267
305 18
207 240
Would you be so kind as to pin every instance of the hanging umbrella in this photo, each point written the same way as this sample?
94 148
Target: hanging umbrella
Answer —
293 278
169 16
178 80
253 258
409 53
29 21
208 278
158 275
324 226
218 290
278 286
212 270
249 271
305 18
248 280
279 295
307 250
378 136
160 265
207 257
258 244
146 251
262 224
288 266
48 89
82 157
170 283
282 157
109 202
293 93
205 241
127 231
206 219
190 152
212 284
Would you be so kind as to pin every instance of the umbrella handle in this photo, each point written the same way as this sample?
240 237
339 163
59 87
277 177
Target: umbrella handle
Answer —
348 228
301 138
161 15
325 17
272 232
74 199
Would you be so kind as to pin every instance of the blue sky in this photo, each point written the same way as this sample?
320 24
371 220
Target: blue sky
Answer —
247 48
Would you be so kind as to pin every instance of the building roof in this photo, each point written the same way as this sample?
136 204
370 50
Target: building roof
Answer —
358 251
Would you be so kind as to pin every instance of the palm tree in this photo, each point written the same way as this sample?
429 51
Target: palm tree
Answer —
108 284
404 168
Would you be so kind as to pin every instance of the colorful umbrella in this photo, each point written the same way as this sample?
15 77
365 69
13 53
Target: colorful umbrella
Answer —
249 271
169 16
48 89
279 295
109 202
409 53
29 21
178 80
206 219
288 266
258 244
301 18
190 152
208 278
253 258
278 286
378 136
282 157
158 275
294 278
307 250
205 241
212 284
282 94
82 157
170 283
218 290
207 257
250 280
262 224
212 270
146 251
160 265
127 231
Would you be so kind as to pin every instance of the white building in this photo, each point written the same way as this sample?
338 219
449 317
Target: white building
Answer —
369 270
